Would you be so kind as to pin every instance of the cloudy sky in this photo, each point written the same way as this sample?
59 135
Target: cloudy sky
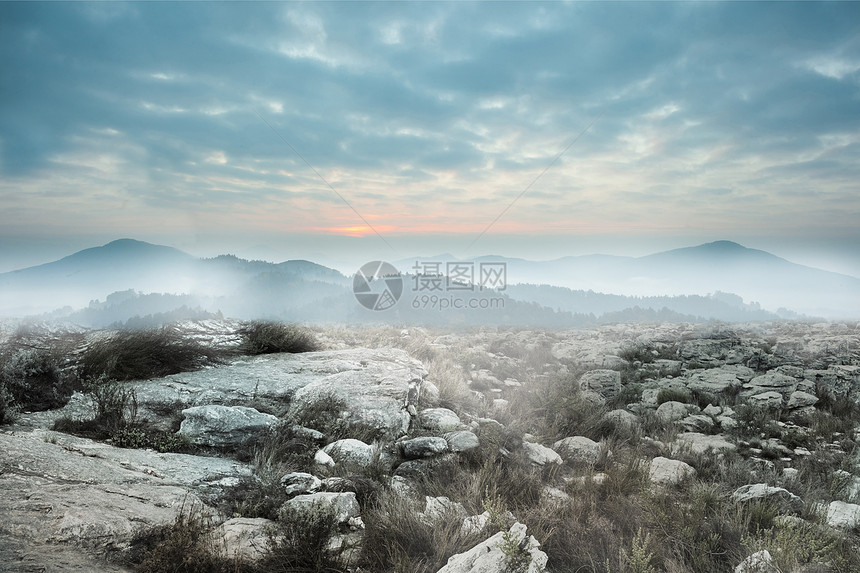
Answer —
343 131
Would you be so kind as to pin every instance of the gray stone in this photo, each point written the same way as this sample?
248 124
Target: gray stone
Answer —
343 505
664 471
323 459
350 451
487 556
461 441
673 411
57 489
700 443
246 538
578 449
712 410
622 419
224 426
540 455
649 396
698 423
439 420
761 491
841 515
438 508
714 381
758 562
375 386
300 482
423 447
770 382
771 400
607 383
800 399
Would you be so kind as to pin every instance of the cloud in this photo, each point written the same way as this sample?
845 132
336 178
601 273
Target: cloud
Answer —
430 114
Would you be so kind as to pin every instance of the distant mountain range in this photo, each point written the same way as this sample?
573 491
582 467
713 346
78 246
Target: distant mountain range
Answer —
128 279
721 266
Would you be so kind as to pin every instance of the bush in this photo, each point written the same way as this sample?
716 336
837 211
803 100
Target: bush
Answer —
140 438
675 395
398 538
261 337
142 354
31 380
185 546
301 542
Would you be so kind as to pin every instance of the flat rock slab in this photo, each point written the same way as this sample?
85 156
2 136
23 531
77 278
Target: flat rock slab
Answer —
356 375
58 490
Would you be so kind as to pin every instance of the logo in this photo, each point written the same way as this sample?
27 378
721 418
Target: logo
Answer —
377 285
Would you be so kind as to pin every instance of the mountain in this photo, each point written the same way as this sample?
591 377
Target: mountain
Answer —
755 275
129 265
128 278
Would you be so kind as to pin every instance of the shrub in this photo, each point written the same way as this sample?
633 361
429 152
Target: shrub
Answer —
279 453
675 395
802 543
398 538
137 437
185 546
142 354
637 353
301 542
114 403
31 379
326 415
262 337
756 422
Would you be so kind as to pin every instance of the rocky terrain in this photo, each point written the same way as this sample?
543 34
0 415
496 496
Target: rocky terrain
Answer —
677 447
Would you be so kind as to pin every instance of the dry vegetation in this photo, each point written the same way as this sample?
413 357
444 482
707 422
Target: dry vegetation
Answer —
601 516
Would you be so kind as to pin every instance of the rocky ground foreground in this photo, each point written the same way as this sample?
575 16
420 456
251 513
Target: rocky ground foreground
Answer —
624 448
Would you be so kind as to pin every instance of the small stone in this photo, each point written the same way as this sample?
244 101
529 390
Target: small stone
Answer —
540 455
664 471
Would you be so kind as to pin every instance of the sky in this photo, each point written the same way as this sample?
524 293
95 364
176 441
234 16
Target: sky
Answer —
349 131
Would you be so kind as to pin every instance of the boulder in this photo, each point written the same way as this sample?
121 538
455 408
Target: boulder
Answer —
61 491
343 505
487 556
439 420
622 419
376 387
698 423
800 399
762 491
375 384
461 441
246 538
714 381
664 471
438 508
768 400
841 515
770 382
350 451
300 483
673 411
607 383
700 443
540 455
758 562
224 426
423 447
578 449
